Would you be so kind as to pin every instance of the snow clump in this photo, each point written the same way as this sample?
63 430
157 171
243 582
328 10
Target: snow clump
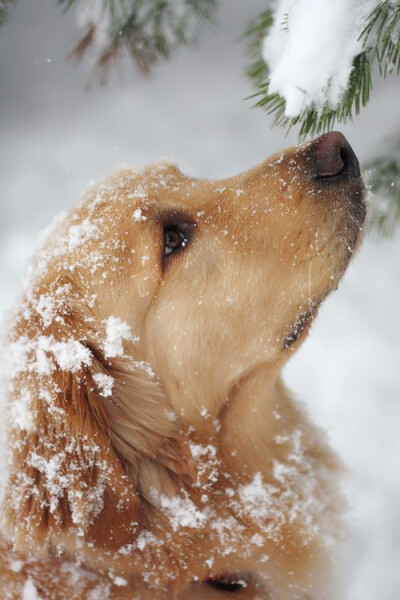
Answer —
138 215
310 50
181 512
104 383
43 354
117 331
29 591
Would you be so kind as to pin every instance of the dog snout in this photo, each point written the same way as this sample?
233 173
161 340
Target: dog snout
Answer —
333 157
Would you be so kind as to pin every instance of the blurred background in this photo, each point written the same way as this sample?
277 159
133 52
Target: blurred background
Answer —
57 134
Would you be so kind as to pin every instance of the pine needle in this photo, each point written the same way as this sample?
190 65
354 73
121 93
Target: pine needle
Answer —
148 30
381 43
4 10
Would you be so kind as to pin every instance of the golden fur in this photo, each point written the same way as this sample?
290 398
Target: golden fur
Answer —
195 463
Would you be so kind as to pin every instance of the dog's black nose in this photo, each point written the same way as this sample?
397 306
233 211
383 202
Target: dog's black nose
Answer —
332 156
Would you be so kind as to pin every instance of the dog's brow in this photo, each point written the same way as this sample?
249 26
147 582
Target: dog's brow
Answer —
175 216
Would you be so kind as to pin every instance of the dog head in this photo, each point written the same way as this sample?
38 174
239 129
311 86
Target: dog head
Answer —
150 433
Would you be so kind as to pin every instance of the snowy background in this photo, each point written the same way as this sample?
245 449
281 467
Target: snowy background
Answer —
56 136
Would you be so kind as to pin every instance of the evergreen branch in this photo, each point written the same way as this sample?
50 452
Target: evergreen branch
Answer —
66 3
381 44
258 69
383 176
149 30
4 10
384 23
313 120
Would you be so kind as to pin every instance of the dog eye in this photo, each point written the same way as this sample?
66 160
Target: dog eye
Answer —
228 584
174 239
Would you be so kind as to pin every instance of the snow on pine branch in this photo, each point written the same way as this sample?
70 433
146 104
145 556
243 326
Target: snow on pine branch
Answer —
314 58
311 58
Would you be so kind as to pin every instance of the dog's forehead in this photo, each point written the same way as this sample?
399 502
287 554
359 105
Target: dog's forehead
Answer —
135 192
162 186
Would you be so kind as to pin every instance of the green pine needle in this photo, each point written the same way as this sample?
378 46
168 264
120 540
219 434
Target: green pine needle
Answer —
149 30
258 69
381 40
4 10
383 176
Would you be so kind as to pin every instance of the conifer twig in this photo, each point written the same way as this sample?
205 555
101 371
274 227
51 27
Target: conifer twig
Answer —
149 30
381 44
383 176
4 8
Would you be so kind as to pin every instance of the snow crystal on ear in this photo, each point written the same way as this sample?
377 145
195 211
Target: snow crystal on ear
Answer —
29 591
46 309
117 579
138 215
71 355
145 366
20 411
100 592
104 383
117 331
181 511
79 234
257 497
146 538
43 354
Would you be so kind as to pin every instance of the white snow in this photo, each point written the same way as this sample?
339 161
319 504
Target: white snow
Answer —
71 355
43 354
100 592
20 413
310 50
257 498
117 331
180 511
45 307
144 539
29 591
138 215
145 366
79 234
117 580
104 383
16 565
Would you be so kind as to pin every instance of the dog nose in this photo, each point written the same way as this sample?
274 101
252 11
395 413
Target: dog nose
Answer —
332 156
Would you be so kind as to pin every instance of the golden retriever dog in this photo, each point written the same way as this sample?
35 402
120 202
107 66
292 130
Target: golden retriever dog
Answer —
153 450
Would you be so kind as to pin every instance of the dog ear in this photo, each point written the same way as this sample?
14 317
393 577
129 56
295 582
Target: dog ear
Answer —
64 475
89 439
144 430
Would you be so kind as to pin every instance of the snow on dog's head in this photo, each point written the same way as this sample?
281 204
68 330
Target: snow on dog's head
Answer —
148 428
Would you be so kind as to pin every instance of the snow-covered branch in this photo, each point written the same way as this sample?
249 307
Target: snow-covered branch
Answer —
314 58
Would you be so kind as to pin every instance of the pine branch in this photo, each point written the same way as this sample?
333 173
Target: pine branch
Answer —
381 44
258 69
384 22
4 10
149 30
383 176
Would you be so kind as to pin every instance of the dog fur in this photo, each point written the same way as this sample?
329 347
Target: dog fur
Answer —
153 448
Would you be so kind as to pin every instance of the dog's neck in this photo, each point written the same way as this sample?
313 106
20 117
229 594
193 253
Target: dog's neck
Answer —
252 418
